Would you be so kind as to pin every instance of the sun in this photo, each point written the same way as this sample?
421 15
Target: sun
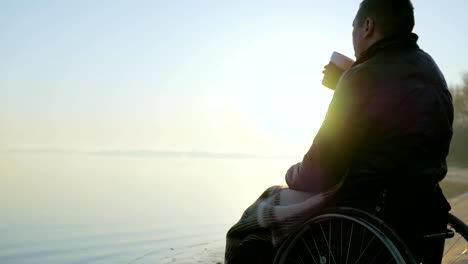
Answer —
291 116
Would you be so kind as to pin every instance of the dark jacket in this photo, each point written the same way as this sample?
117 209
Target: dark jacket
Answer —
388 128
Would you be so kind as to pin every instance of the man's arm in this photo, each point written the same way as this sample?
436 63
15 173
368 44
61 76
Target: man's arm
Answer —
338 139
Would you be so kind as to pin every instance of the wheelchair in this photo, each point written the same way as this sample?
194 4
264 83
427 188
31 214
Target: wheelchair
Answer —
350 235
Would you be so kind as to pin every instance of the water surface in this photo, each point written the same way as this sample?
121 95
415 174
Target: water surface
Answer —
73 208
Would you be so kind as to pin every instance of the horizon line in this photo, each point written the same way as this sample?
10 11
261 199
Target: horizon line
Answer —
145 153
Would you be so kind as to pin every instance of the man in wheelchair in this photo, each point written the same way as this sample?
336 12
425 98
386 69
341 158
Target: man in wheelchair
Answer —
383 144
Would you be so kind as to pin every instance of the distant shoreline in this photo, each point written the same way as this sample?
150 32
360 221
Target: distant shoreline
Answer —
147 153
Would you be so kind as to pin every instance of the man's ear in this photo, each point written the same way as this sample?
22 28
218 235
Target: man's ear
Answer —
369 27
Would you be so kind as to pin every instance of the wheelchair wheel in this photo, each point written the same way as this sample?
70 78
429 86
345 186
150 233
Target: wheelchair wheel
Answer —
344 235
456 248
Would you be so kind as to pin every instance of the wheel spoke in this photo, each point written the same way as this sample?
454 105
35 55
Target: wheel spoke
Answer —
362 240
330 241
316 247
349 244
308 249
341 241
376 255
302 261
330 253
367 246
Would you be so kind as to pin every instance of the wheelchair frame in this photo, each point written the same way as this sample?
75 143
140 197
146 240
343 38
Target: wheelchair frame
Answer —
348 235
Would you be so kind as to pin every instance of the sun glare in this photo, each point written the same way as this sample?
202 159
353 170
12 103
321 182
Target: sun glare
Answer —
291 115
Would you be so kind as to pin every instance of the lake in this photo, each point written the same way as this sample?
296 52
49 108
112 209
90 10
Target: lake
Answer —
82 208
118 208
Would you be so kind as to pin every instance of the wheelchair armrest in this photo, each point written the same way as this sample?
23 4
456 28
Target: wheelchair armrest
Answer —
447 234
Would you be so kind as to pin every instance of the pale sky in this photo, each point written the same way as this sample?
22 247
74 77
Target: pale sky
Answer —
223 76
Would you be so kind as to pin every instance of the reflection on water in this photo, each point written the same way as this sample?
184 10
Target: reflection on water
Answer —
107 209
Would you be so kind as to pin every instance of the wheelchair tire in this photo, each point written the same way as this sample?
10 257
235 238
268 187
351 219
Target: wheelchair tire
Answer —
343 235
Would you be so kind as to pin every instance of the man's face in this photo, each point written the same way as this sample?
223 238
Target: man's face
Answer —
358 38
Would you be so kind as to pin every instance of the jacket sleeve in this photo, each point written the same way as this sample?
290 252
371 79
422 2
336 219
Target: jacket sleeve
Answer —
339 137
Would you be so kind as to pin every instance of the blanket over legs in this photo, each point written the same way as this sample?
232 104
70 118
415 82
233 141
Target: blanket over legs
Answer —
277 213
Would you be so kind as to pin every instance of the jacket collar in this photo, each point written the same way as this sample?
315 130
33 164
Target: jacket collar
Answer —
395 41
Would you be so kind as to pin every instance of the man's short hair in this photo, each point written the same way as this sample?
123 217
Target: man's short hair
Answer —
390 16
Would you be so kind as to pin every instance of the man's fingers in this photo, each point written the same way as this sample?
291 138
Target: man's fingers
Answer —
325 68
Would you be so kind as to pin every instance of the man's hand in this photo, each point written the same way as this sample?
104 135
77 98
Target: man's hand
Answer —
292 175
332 75
306 177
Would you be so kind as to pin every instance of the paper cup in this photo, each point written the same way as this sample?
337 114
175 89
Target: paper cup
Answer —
338 64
